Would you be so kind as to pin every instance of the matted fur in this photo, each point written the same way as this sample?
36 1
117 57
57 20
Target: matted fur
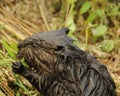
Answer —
60 68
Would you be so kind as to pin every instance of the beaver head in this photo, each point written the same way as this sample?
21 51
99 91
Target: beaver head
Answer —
45 49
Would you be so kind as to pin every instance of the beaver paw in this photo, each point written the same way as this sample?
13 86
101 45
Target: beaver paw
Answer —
17 67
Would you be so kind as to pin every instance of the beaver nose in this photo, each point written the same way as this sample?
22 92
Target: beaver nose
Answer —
19 45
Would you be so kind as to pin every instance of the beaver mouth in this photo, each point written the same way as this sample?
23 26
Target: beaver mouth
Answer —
28 62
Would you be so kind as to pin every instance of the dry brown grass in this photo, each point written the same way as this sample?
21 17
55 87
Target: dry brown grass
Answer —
20 19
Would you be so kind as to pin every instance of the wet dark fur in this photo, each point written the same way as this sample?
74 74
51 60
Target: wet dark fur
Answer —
60 68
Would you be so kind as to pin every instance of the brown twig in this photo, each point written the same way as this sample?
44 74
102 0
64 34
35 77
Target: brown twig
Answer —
43 16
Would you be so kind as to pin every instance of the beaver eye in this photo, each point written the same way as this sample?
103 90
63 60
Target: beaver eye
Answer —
60 48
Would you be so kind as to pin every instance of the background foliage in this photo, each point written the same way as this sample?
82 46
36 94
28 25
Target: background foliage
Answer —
94 24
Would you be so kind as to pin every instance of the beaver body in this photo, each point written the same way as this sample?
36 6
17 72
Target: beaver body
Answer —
61 68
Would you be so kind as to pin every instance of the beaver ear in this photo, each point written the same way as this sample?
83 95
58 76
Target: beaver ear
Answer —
65 30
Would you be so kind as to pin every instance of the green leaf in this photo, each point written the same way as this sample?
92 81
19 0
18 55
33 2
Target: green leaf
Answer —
14 46
100 31
24 63
70 22
85 7
21 85
71 1
108 45
5 62
91 17
72 36
8 49
115 10
100 13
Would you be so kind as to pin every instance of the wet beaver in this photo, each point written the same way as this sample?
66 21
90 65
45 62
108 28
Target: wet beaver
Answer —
61 68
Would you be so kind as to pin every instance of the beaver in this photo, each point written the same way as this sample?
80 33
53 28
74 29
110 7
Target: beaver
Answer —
59 68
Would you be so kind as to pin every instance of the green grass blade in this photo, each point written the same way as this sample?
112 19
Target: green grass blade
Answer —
8 49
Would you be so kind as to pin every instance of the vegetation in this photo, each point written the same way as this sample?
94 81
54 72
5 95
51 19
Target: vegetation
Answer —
94 24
